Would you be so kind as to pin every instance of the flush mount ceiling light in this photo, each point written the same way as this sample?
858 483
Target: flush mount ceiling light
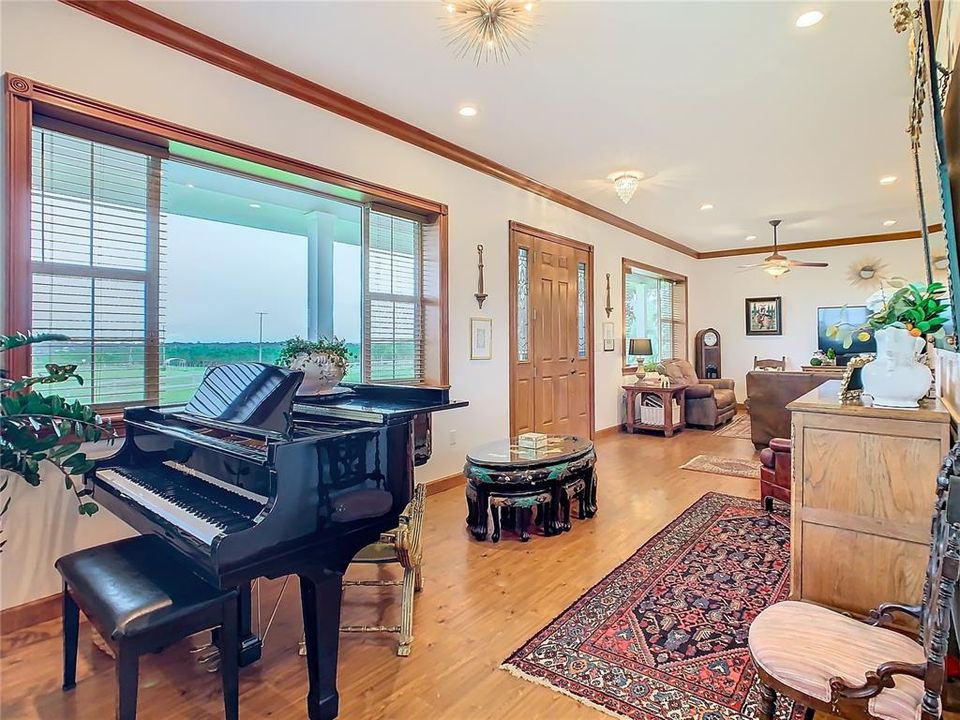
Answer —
888 179
468 111
489 29
809 19
889 223
707 206
626 184
751 238
255 206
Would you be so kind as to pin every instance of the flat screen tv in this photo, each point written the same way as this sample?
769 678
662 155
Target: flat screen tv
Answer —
855 315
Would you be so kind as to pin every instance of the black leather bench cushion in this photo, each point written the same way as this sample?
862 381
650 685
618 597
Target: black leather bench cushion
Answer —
136 585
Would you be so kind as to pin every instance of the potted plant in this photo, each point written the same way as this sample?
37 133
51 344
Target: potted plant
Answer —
37 428
900 323
323 363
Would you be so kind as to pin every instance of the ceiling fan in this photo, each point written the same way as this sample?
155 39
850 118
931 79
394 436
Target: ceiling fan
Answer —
777 264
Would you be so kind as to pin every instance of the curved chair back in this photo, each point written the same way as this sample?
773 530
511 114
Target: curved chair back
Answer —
770 364
409 546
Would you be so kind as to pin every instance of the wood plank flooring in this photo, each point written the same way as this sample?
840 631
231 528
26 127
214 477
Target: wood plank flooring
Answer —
480 602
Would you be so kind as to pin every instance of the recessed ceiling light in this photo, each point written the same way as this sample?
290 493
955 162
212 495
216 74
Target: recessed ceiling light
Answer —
451 8
468 111
889 223
809 19
888 179
707 206
528 7
254 205
751 237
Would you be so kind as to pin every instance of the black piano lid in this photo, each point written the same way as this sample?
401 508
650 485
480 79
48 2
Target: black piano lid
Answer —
253 394
386 403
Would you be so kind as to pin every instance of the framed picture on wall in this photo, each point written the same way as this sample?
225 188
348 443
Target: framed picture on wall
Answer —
763 316
609 341
481 338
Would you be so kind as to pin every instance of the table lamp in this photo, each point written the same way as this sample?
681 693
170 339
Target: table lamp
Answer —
640 348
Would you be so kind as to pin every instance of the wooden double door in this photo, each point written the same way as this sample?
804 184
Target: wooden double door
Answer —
551 366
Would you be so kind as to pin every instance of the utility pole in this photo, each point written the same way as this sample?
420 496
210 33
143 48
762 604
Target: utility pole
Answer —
260 344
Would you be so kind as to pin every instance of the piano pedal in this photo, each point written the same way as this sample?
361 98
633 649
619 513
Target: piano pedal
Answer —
208 656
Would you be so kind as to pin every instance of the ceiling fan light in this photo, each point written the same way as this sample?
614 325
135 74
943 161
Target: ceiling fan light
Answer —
626 185
776 270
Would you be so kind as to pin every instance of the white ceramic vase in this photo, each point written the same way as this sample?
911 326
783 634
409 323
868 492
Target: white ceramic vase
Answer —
321 373
896 378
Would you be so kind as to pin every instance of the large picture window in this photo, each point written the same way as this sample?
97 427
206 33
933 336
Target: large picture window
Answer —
654 307
158 266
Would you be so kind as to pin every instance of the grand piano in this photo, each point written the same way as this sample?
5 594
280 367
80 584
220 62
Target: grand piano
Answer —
249 480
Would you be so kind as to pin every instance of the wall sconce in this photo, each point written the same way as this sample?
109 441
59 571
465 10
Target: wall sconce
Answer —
608 307
480 295
867 272
941 263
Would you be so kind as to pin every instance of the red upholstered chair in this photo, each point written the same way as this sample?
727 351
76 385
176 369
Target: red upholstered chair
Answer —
775 472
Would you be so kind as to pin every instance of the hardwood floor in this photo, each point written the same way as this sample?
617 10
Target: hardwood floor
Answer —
480 602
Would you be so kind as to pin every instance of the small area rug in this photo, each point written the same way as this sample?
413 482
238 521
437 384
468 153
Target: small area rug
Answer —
664 636
739 427
737 467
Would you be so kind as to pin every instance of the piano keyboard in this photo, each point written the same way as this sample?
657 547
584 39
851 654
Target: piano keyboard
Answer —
202 506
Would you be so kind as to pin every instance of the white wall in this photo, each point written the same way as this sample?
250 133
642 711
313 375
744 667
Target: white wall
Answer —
720 289
60 46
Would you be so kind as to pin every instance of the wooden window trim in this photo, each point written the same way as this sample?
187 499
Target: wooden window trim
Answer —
626 265
25 101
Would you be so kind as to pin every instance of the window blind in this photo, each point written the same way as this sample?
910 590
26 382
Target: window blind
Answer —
672 296
97 236
392 298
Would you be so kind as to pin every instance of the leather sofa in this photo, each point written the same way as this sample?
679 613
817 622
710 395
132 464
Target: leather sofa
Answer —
709 402
768 394
775 472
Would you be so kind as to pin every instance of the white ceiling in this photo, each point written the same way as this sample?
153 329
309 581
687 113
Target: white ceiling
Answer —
720 102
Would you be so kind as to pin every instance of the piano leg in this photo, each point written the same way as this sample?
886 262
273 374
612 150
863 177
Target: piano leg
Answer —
320 596
250 646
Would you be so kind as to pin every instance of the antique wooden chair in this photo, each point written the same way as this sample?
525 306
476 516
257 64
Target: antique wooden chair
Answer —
404 547
770 364
832 663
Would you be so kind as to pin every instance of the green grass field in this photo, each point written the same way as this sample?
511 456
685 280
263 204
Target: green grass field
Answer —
116 370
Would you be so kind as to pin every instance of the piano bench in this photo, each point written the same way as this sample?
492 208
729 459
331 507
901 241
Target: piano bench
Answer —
142 597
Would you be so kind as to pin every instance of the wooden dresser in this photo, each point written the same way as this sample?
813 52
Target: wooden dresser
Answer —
863 490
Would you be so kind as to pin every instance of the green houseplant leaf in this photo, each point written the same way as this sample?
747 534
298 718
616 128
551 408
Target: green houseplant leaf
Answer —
38 428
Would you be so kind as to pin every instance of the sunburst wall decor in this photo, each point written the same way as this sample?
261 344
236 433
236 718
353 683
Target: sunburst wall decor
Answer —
489 29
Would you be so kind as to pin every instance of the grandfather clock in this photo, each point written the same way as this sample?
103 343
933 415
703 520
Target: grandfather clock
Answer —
706 358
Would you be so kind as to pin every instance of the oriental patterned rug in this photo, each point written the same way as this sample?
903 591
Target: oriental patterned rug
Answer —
664 636
737 467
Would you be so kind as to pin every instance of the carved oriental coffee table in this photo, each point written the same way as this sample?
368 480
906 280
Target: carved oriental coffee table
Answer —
506 479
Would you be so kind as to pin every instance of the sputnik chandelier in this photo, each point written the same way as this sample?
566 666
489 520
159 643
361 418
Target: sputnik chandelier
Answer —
489 29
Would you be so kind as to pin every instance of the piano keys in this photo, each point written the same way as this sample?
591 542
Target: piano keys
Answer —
249 480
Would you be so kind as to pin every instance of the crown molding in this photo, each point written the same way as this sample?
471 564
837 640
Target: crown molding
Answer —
813 244
156 27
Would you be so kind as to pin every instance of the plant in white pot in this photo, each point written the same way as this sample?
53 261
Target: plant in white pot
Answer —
900 323
323 363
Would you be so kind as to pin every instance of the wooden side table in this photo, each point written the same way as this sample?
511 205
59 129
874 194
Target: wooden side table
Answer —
667 395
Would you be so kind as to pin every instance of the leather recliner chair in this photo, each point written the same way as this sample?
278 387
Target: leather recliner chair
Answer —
768 394
709 402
